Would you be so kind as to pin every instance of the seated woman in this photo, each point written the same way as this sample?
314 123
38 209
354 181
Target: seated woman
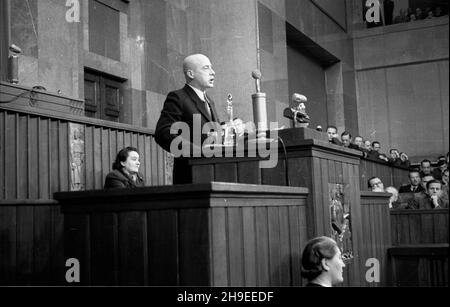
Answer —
125 172
322 264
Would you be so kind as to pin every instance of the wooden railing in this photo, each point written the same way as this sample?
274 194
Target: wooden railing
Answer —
419 255
35 154
376 232
31 243
413 227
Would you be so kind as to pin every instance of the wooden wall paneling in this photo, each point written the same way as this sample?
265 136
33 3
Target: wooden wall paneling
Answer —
427 227
133 254
225 172
32 158
120 144
248 172
440 227
262 247
77 245
235 247
249 245
405 237
275 175
161 166
321 188
104 244
8 242
285 250
154 159
163 238
273 216
219 242
415 232
22 155
97 155
194 256
10 157
113 144
24 243
367 236
42 245
105 150
147 160
57 263
296 244
3 144
44 157
203 173
141 150
53 162
127 139
357 224
64 158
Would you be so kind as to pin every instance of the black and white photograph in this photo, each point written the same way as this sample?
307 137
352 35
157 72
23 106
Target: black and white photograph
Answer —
228 151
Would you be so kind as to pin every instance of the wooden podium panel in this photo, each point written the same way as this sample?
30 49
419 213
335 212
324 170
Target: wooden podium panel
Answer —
312 162
215 234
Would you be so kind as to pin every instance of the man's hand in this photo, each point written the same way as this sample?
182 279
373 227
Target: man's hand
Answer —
435 200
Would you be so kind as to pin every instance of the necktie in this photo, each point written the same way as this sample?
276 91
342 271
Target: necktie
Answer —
208 109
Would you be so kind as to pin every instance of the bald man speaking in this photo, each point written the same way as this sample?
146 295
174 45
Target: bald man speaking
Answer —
183 104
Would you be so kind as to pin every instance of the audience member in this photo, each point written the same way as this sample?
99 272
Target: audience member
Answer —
414 185
375 152
358 141
346 139
445 184
419 13
395 157
425 168
433 198
125 172
322 263
394 198
375 184
425 180
332 133
405 160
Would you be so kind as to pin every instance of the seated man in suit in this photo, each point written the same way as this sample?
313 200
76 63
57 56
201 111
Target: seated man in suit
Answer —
333 137
346 139
188 105
414 185
433 198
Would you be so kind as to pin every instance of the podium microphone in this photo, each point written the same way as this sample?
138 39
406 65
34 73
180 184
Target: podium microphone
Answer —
259 107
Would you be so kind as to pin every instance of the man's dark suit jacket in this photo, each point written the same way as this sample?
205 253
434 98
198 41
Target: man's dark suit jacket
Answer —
180 106
119 180
407 189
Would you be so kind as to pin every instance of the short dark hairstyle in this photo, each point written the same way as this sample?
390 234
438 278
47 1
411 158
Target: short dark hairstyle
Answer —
122 156
375 142
315 250
346 133
425 161
331 126
441 162
433 181
413 171
368 181
393 149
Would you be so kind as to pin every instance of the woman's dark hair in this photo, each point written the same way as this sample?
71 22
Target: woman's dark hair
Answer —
315 250
122 156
